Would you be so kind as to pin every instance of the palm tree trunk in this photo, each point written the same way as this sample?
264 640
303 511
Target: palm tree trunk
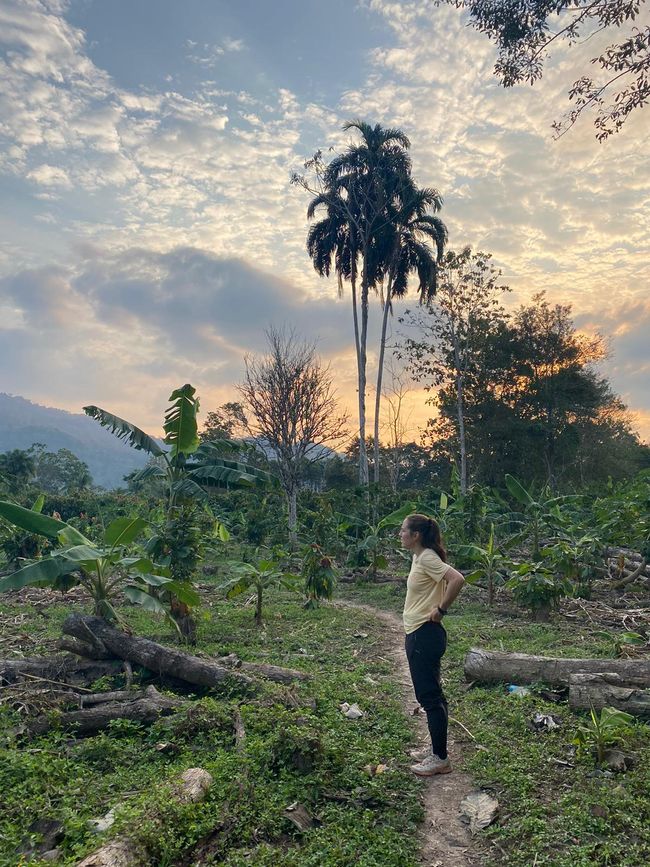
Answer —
363 454
380 373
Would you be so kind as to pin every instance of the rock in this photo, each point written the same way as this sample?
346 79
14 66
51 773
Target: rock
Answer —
351 711
479 809
51 856
98 826
615 760
194 785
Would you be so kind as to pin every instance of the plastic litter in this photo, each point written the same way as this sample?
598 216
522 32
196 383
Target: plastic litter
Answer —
520 691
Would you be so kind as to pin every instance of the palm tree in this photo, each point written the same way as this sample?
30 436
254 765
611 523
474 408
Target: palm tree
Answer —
412 229
360 189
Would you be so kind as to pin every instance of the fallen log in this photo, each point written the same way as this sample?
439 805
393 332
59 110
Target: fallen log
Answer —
61 669
610 690
630 577
144 707
485 666
192 787
274 672
172 662
157 658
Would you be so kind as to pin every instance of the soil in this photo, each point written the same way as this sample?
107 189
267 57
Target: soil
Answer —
444 840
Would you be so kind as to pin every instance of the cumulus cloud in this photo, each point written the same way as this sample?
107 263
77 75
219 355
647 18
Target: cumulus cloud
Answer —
153 319
189 190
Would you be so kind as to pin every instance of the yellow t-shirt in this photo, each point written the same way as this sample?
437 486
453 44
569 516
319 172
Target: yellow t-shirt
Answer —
424 589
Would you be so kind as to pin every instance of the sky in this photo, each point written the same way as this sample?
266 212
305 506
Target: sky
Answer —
148 230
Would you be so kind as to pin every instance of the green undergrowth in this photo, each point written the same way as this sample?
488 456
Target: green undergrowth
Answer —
299 749
556 808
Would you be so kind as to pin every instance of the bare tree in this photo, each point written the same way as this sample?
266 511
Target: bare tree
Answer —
292 408
397 424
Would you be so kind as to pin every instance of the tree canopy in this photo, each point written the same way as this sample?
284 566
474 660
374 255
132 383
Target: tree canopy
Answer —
525 30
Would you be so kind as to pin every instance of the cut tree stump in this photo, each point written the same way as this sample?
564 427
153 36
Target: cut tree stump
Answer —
61 669
172 662
192 787
486 666
610 690
143 707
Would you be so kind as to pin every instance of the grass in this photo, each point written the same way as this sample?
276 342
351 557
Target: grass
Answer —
555 807
299 748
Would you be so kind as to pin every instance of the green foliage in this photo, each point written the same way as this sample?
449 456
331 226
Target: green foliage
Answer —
260 576
370 549
319 574
538 588
103 570
603 731
576 559
489 562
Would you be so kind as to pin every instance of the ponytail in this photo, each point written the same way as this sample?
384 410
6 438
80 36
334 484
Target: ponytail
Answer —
429 533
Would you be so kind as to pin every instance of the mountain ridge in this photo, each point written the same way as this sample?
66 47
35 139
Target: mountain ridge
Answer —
23 423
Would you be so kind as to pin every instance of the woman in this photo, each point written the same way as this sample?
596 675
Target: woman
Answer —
431 588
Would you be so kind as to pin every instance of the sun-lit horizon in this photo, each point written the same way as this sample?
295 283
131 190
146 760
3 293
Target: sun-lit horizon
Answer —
151 233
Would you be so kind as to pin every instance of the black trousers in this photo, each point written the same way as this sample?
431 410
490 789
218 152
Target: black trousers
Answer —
424 649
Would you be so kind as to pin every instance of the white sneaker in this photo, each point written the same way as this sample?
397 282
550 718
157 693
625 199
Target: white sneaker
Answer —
421 753
431 765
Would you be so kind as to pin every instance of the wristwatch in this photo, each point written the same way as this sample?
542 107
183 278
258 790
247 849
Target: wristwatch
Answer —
442 611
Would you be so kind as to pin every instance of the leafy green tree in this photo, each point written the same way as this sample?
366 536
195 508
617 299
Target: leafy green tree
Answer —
535 405
61 472
17 469
445 352
524 32
360 192
227 422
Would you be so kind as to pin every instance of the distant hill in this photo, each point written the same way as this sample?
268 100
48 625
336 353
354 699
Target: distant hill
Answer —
23 423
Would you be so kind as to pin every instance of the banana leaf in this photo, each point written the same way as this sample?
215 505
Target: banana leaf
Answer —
122 531
33 522
42 573
124 430
181 431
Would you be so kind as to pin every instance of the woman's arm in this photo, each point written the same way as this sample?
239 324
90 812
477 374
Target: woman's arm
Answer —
455 583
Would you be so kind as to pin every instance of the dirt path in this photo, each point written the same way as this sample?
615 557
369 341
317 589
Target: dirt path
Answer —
444 839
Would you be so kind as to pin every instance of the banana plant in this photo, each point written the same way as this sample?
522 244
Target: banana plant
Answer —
539 512
371 547
489 563
104 570
188 469
601 732
186 466
260 576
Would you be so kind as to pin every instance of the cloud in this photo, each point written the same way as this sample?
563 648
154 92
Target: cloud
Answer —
151 320
49 176
187 187
208 56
